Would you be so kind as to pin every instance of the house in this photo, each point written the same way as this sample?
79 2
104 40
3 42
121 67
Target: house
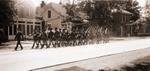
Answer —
53 15
120 22
120 16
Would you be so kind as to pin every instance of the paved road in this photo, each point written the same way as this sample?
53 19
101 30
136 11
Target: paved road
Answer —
31 59
109 62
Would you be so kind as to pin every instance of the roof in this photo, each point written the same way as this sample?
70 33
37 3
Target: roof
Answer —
121 11
112 0
125 11
140 21
59 9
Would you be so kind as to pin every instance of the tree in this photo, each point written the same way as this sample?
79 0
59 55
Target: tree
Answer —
103 11
134 8
99 14
7 12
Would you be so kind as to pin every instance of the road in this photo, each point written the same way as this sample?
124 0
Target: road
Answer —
31 59
108 63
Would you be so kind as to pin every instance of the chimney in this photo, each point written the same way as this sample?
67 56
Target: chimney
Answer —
43 4
60 2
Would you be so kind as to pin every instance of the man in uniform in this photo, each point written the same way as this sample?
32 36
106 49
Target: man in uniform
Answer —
50 36
99 35
68 38
60 38
106 35
44 39
56 36
36 35
63 38
72 38
19 37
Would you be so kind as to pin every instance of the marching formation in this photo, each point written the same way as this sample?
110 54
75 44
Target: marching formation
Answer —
63 38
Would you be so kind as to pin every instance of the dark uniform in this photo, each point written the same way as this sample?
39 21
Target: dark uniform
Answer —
63 38
56 38
19 37
36 39
73 38
106 36
79 36
76 38
50 36
60 38
85 39
67 36
99 35
44 39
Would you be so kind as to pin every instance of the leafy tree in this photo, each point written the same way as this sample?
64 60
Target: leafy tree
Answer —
7 12
134 8
103 11
98 13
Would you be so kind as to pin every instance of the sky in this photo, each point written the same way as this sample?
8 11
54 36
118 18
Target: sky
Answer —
37 2
142 2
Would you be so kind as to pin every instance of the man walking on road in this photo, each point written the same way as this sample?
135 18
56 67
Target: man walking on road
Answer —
36 38
18 38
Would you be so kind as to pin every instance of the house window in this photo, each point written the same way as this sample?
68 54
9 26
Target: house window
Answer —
28 29
31 29
30 22
49 14
23 29
21 21
10 30
37 23
15 29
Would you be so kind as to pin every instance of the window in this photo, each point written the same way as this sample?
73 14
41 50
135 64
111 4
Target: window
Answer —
31 29
37 27
49 14
21 21
15 29
30 22
10 30
37 23
23 29
28 29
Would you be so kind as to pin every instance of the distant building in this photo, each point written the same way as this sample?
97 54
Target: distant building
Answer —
120 17
145 9
121 21
144 21
53 15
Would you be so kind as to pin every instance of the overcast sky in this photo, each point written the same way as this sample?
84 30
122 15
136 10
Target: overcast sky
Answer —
37 2
142 2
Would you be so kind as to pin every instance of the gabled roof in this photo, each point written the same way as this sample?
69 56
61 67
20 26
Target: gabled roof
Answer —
112 0
121 11
140 21
59 9
125 11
